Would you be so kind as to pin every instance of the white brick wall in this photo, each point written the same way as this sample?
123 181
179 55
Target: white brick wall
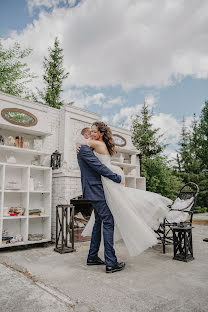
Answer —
64 125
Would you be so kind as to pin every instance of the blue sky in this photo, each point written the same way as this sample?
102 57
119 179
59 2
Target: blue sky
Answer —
120 53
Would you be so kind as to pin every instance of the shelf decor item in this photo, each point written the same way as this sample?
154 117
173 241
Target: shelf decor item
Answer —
35 237
11 159
1 140
19 141
11 141
56 160
16 211
35 161
12 185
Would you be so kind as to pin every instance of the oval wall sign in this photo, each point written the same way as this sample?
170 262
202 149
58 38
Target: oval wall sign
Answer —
19 117
119 140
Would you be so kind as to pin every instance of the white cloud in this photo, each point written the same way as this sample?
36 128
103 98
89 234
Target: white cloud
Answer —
122 42
117 101
124 117
169 126
82 99
151 100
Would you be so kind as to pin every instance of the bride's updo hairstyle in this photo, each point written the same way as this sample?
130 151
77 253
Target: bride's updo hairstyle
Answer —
107 136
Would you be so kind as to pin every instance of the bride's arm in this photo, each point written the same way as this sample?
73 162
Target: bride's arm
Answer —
81 141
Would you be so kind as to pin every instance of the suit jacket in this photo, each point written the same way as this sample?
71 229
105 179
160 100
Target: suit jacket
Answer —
91 171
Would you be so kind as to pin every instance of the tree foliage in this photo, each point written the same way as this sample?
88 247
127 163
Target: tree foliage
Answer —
54 76
192 161
160 178
144 137
14 72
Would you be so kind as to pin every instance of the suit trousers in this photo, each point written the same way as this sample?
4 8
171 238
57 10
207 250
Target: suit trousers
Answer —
103 216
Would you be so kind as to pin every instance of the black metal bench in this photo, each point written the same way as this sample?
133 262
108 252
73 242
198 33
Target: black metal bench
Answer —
188 193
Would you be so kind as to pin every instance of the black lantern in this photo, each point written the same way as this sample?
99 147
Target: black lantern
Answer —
64 227
56 160
182 241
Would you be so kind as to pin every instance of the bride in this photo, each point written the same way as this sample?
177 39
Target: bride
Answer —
136 213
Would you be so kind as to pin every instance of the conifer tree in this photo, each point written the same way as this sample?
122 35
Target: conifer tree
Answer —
203 131
191 167
54 76
14 72
160 178
144 137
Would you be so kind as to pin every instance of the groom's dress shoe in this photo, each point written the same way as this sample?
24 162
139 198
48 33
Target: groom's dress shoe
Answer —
96 261
117 267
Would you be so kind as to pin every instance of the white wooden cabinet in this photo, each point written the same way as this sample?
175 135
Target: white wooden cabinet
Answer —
16 190
128 161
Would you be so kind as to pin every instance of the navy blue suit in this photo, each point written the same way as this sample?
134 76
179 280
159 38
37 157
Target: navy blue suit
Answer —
91 171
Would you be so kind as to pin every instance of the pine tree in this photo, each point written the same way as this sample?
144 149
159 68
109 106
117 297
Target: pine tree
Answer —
191 167
14 73
203 131
144 137
184 155
160 178
54 76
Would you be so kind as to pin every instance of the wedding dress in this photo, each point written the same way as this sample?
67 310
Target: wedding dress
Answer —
136 213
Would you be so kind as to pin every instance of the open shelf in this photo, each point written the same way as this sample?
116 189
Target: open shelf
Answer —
16 178
42 216
19 129
40 180
141 183
123 165
126 151
14 217
128 160
40 226
41 201
130 181
22 150
15 227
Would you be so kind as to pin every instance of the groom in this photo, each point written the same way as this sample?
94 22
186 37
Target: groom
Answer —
91 171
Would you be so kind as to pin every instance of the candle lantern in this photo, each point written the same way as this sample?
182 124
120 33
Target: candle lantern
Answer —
56 160
182 242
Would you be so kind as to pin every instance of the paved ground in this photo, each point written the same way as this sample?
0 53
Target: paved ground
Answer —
151 282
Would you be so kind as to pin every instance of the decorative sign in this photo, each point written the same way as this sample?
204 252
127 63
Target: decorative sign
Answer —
119 140
19 117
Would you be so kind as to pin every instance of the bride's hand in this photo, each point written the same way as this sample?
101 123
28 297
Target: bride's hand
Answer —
122 181
78 148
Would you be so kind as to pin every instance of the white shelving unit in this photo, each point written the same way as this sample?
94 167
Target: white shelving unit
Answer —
16 191
128 161
21 154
